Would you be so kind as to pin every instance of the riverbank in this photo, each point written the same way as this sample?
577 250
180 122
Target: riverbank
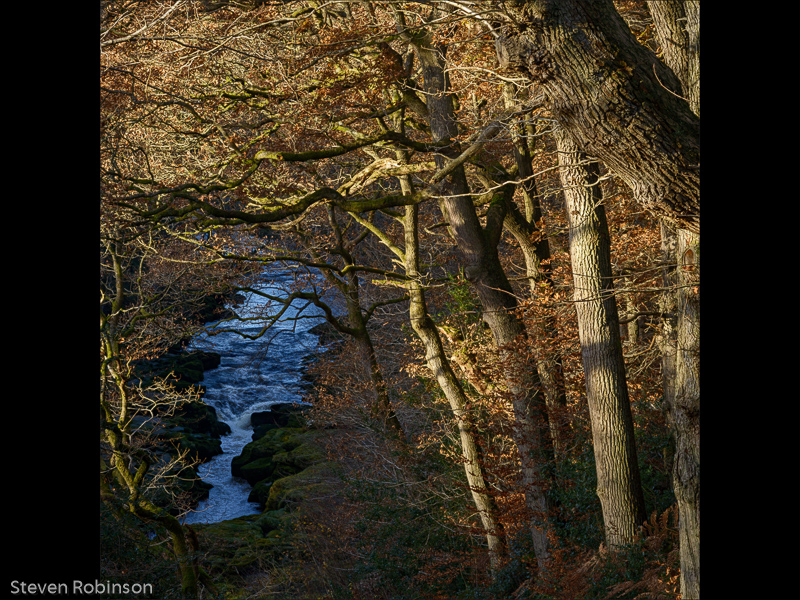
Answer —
284 460
180 428
239 553
291 477
181 434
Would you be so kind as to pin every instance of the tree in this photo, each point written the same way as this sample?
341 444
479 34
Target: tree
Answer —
347 280
678 30
623 106
618 482
440 367
613 97
135 313
308 132
478 249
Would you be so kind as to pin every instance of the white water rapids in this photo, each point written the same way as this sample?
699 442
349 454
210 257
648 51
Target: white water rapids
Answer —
252 375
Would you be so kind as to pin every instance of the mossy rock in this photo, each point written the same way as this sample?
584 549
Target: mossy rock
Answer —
272 521
275 441
264 471
237 543
297 459
185 368
257 470
197 489
260 431
181 369
287 492
198 417
195 428
209 360
282 415
260 492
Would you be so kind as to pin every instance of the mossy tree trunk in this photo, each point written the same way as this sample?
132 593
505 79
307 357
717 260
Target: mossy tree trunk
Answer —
441 369
122 479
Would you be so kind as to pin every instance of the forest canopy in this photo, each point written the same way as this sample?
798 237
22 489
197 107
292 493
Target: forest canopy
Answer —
494 205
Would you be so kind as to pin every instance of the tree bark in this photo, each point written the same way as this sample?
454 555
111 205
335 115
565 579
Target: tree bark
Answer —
613 96
678 31
478 249
528 230
618 482
686 413
437 362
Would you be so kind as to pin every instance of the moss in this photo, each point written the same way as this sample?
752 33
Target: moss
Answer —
289 491
272 521
299 458
261 473
231 545
273 442
260 492
199 417
257 470
289 449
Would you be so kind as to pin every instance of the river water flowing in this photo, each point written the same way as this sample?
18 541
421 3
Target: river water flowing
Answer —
252 375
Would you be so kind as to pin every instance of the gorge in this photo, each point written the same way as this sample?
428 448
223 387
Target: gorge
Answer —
253 375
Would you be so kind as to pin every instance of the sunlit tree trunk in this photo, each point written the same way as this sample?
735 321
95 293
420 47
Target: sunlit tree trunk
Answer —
438 364
618 482
625 107
678 32
478 249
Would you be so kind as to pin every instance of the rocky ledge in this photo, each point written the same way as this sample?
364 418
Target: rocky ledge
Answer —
282 451
288 468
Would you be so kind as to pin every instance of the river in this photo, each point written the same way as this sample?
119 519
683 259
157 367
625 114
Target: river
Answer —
252 375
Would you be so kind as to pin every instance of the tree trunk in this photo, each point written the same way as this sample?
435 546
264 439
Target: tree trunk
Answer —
440 367
180 544
478 250
686 413
678 31
614 97
618 482
382 410
668 307
528 230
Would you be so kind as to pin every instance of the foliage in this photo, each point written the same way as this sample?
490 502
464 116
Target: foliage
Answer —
236 136
647 569
462 305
